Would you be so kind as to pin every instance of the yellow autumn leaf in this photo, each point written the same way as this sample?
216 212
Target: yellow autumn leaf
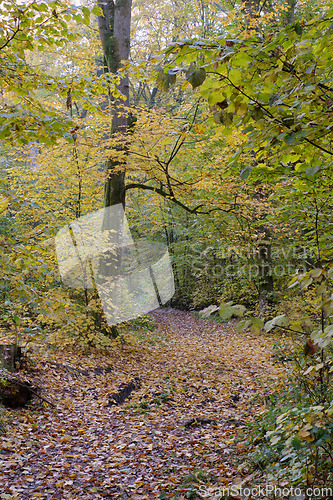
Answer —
304 435
199 128
4 202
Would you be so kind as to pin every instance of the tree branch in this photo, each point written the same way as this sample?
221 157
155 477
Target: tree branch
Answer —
166 195
11 38
272 116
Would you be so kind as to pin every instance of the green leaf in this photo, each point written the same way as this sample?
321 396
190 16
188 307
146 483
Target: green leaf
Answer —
312 171
242 59
214 97
164 80
298 28
258 322
305 282
97 10
269 325
226 118
195 76
247 130
255 329
294 281
296 443
243 325
226 312
315 273
17 320
241 108
257 114
290 138
280 320
238 310
235 76
85 11
42 7
245 172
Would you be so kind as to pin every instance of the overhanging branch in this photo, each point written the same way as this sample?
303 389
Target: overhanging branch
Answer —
11 38
173 199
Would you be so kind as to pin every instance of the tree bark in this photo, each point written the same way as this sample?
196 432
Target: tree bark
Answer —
289 15
9 355
114 30
251 10
265 284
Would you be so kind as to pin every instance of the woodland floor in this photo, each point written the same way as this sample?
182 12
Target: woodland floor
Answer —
146 448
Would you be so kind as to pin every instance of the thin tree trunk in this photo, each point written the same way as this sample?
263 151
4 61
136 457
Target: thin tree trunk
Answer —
289 15
266 284
251 11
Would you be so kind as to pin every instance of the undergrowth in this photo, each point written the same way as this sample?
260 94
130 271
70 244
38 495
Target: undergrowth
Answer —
292 443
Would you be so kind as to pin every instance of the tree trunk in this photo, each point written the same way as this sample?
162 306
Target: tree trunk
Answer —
114 30
289 14
9 355
264 271
251 11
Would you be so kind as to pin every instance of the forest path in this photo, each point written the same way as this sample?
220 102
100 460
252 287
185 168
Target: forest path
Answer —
201 383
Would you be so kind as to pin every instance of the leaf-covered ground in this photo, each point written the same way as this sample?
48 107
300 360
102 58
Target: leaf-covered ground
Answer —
201 383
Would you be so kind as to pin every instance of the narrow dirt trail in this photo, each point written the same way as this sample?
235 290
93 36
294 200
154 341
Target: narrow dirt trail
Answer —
201 382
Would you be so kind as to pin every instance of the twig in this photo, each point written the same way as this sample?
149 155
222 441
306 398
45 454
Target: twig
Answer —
41 397
11 38
26 386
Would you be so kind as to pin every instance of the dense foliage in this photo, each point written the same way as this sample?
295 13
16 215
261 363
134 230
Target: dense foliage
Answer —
228 155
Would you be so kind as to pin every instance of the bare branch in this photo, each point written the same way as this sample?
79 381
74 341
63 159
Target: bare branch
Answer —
167 195
11 38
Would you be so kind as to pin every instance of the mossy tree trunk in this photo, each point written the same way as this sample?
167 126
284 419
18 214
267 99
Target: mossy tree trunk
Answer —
114 30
